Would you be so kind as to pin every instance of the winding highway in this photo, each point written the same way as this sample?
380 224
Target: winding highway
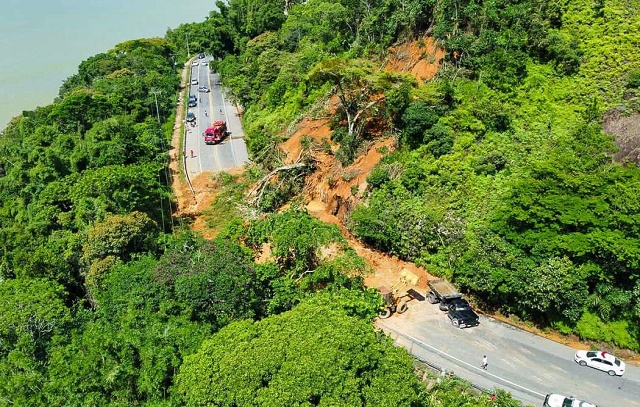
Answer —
232 152
526 365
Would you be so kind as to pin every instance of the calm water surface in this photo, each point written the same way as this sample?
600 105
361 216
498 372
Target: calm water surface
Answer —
42 42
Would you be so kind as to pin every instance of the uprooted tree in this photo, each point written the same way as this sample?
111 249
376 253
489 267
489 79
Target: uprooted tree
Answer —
359 86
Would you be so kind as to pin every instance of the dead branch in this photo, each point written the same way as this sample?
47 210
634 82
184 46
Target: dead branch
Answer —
260 186
303 274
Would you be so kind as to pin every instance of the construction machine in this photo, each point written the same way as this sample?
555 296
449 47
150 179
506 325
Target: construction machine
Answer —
397 296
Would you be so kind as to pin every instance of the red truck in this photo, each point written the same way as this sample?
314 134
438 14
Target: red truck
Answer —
215 133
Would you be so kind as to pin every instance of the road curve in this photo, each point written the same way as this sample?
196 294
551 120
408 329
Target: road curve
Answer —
526 365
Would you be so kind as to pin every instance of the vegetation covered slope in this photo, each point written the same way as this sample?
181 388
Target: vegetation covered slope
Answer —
104 293
503 180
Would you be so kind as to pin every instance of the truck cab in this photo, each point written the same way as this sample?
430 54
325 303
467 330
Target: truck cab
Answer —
461 314
216 133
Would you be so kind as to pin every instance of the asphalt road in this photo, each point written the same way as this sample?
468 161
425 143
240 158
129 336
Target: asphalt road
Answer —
521 363
232 151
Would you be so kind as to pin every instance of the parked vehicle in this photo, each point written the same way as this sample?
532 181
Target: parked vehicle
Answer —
556 400
216 133
442 291
450 299
461 314
600 360
396 297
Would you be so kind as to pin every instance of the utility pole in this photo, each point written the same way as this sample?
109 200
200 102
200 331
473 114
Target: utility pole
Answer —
187 37
155 95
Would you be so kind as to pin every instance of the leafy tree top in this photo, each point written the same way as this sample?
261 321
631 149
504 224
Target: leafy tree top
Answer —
312 355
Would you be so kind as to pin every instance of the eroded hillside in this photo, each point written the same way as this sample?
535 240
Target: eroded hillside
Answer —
332 190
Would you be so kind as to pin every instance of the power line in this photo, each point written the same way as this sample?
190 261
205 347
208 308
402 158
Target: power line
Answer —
155 95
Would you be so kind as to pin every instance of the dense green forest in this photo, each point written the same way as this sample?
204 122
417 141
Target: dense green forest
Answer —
507 185
503 180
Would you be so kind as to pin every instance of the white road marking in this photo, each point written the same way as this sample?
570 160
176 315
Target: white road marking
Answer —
426 345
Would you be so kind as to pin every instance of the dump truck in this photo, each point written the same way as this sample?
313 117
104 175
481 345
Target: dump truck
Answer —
450 299
396 297
441 291
216 133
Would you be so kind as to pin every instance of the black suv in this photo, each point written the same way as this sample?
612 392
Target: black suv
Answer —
191 117
460 313
193 101
201 55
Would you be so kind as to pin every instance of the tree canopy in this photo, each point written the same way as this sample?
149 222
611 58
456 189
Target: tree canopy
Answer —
312 355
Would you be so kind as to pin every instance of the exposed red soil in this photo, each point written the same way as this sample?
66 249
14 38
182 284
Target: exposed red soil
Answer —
332 190
420 58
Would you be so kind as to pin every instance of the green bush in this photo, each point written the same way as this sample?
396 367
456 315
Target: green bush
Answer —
591 327
633 80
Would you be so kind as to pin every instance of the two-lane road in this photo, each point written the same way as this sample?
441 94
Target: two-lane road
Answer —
524 364
232 152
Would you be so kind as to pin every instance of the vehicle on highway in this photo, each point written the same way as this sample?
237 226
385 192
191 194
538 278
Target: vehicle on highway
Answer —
193 101
201 55
194 63
556 400
191 117
194 81
461 314
216 133
203 89
442 291
600 360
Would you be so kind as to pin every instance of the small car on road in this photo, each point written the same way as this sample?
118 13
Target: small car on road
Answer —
194 63
201 55
600 360
556 400
203 89
191 117
194 81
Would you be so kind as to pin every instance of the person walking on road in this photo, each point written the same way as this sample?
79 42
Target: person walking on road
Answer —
205 113
484 362
191 153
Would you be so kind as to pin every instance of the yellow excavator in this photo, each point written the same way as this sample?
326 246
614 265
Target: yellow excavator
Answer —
397 296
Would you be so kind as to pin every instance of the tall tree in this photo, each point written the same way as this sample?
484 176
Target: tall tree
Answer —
358 84
314 354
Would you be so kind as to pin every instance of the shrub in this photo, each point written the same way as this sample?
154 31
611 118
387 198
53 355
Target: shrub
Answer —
633 80
591 327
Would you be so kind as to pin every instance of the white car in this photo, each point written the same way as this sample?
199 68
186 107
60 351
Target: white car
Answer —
556 400
194 81
194 63
600 360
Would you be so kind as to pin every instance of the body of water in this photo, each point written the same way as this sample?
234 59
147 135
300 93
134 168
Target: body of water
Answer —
42 42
